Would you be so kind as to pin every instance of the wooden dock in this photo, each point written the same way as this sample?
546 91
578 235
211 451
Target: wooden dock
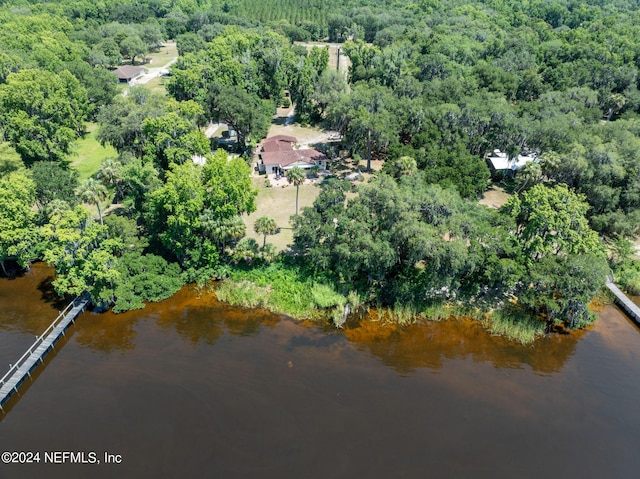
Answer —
629 307
22 369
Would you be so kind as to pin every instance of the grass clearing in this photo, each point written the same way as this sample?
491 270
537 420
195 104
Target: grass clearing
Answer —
306 135
345 62
278 203
157 85
495 197
88 153
163 56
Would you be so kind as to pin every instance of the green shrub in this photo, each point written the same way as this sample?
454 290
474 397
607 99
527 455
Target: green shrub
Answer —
326 297
145 278
243 293
627 277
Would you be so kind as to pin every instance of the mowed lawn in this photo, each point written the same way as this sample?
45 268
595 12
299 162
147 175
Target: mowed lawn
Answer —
87 153
164 55
278 203
157 85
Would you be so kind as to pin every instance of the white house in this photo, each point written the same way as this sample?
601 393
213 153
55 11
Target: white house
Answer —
499 161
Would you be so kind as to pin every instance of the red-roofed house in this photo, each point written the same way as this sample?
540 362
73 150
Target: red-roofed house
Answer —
278 155
279 143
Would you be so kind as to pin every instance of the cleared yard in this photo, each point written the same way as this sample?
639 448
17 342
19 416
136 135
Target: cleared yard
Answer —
163 56
278 203
157 85
494 197
88 153
306 135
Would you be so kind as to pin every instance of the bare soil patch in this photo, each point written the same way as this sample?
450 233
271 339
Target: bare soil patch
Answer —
494 197
307 135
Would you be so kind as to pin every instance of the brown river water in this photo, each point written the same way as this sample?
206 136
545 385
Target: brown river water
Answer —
190 388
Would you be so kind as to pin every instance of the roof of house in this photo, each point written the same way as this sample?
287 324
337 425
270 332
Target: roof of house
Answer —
501 161
126 72
279 143
287 138
286 158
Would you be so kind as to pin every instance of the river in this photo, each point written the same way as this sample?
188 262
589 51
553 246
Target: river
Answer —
192 388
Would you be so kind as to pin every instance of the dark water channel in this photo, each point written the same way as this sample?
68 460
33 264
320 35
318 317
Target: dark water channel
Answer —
195 389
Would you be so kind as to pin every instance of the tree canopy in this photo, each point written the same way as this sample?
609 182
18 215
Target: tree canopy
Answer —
432 88
42 113
180 213
18 232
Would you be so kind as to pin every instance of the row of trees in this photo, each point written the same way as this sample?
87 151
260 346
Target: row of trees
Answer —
407 243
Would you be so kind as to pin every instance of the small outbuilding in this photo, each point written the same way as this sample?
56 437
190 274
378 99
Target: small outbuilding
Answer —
126 73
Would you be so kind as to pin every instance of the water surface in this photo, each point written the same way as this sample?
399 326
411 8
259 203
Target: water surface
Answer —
193 388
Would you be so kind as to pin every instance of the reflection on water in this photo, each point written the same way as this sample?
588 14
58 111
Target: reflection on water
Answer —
198 318
193 388
28 303
429 344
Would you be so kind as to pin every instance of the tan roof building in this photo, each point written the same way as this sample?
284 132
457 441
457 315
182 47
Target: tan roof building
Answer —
126 73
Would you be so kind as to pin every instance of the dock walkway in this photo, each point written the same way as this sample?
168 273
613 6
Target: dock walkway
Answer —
632 309
22 369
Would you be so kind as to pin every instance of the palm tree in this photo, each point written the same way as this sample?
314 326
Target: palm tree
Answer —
405 166
110 173
56 208
222 231
296 176
265 226
92 191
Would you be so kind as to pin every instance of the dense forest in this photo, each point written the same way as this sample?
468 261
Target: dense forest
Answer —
433 87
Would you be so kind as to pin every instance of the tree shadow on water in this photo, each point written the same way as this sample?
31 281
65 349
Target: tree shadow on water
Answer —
11 270
49 295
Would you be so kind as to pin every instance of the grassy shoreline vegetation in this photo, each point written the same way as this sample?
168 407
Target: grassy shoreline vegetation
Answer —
279 289
122 193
